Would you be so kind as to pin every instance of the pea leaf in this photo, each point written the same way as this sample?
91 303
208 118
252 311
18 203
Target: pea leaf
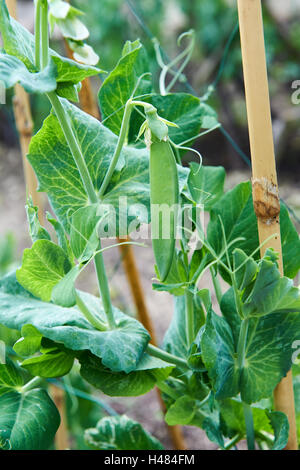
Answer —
20 43
182 411
29 343
147 373
280 425
59 177
233 422
267 357
54 364
175 340
43 266
120 433
84 238
37 232
187 112
13 71
206 184
271 293
64 293
236 211
122 82
9 378
28 421
120 348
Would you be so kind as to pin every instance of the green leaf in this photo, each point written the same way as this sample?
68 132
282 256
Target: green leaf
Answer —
246 269
280 425
20 43
28 421
271 293
181 412
187 112
122 82
175 340
43 266
239 220
120 348
61 236
37 232
120 433
218 353
206 184
13 71
58 175
10 378
147 373
64 293
56 363
84 238
267 357
68 90
29 343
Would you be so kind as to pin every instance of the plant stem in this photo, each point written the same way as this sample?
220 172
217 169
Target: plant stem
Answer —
232 442
104 289
32 384
165 356
121 140
44 34
241 348
165 388
217 285
189 312
249 426
98 324
37 33
74 146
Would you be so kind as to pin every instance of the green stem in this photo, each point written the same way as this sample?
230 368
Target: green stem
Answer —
37 33
217 285
74 146
44 33
165 388
104 289
121 140
165 356
241 348
32 384
89 188
98 324
232 442
189 312
249 426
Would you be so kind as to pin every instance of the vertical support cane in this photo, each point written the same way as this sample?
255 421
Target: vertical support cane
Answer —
264 176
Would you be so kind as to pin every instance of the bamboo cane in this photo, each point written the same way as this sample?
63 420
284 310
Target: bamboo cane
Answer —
264 176
23 118
89 105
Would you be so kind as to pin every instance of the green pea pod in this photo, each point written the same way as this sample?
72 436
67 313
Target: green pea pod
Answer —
164 195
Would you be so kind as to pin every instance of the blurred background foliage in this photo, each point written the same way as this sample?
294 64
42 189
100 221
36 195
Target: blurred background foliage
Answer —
112 22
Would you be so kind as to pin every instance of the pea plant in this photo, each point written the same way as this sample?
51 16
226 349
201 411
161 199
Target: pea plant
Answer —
218 364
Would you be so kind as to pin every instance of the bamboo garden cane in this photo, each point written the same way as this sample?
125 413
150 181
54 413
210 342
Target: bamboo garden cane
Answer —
23 118
264 176
89 105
